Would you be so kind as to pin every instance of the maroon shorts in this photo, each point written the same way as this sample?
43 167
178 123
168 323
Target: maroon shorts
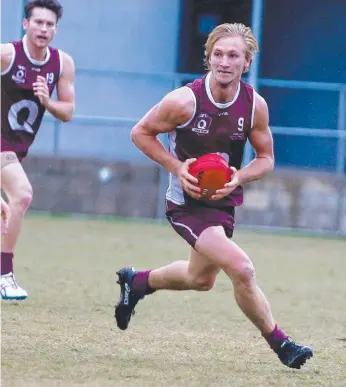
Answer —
8 146
189 222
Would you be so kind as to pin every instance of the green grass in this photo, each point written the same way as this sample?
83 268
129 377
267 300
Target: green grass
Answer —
64 334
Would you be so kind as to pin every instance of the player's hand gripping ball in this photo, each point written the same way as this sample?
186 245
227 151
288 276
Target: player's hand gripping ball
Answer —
212 172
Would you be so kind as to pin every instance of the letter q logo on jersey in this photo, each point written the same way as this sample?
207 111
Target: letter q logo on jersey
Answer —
202 124
20 75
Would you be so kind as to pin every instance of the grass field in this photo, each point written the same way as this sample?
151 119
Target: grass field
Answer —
64 334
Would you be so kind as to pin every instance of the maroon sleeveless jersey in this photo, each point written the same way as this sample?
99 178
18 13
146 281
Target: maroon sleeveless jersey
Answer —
21 111
221 128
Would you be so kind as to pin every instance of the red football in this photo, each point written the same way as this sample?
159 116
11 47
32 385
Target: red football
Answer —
212 172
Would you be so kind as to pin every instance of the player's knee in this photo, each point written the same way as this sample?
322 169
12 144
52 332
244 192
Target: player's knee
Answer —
22 198
204 284
245 275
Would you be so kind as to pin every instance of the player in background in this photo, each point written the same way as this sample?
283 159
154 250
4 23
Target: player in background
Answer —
215 114
30 70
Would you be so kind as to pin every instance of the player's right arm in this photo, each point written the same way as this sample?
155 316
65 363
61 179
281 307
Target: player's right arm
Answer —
6 55
175 109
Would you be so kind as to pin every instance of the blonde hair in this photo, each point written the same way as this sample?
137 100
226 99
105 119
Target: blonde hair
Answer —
227 30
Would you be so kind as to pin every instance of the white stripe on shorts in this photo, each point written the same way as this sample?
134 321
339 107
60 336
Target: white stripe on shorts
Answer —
184 225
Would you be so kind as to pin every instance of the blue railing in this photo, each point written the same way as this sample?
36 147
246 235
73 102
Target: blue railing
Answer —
177 80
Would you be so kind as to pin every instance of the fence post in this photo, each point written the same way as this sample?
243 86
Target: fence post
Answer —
341 152
341 155
22 32
256 26
56 136
163 183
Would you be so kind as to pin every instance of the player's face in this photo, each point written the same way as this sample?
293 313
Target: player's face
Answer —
228 59
40 27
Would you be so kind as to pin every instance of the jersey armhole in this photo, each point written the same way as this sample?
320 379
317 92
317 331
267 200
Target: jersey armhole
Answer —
253 109
194 110
61 61
12 61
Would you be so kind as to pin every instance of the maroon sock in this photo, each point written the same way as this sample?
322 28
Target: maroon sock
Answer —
275 338
140 283
6 263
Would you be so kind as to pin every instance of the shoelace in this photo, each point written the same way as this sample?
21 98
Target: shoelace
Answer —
290 342
10 281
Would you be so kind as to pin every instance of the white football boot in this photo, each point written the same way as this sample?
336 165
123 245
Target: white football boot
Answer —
10 289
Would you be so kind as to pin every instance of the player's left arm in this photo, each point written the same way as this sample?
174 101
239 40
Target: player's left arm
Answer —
62 108
261 140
